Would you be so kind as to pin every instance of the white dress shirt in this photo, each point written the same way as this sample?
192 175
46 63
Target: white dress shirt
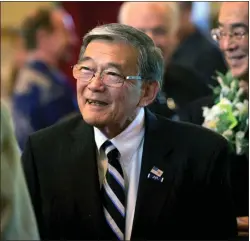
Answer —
130 145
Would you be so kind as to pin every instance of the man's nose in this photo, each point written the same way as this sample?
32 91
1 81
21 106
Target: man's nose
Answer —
96 83
227 43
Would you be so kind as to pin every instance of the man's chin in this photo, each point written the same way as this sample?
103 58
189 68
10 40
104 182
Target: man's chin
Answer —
240 73
94 121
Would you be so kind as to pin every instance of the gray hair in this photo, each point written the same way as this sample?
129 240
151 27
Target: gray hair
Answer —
150 63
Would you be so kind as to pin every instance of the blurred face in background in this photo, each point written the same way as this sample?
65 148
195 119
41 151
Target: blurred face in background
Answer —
155 19
234 27
63 39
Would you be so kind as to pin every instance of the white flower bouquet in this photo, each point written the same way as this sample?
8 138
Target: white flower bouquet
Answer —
229 115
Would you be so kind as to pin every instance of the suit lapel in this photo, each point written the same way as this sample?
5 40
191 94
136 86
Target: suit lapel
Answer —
157 151
85 176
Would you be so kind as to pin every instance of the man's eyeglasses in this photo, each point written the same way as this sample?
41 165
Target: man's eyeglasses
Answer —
108 78
235 35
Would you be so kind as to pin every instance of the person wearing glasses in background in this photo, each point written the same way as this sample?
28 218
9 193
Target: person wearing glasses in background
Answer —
233 40
190 57
117 171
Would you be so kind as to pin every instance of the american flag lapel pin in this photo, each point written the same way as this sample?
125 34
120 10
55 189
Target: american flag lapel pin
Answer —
156 174
156 171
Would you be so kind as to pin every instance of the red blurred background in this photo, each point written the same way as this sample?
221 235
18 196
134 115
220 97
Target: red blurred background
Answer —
86 16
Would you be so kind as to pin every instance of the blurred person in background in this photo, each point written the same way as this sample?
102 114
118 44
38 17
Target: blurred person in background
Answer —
13 57
17 215
196 50
42 94
235 48
233 40
160 21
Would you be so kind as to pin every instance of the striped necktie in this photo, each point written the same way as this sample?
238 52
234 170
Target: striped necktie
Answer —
113 192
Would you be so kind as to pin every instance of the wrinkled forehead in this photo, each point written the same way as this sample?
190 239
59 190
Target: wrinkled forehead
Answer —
113 51
232 13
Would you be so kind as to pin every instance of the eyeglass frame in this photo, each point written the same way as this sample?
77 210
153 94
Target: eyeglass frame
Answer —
231 34
122 77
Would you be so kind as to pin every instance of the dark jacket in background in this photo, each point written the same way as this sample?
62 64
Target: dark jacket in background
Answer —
183 85
160 106
42 96
193 113
191 70
200 53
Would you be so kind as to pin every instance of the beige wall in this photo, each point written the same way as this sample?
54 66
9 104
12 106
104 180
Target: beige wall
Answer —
12 13
215 6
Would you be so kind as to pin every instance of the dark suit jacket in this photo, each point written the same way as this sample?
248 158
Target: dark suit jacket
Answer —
193 201
183 85
193 113
160 106
200 52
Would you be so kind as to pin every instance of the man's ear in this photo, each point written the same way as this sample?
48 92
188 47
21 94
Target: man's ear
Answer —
149 92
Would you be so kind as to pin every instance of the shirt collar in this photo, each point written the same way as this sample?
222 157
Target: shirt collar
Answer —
125 141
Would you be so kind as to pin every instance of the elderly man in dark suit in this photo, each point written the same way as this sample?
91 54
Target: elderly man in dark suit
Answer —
118 171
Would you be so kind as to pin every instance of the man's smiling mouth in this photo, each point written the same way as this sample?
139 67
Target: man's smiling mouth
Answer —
96 102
